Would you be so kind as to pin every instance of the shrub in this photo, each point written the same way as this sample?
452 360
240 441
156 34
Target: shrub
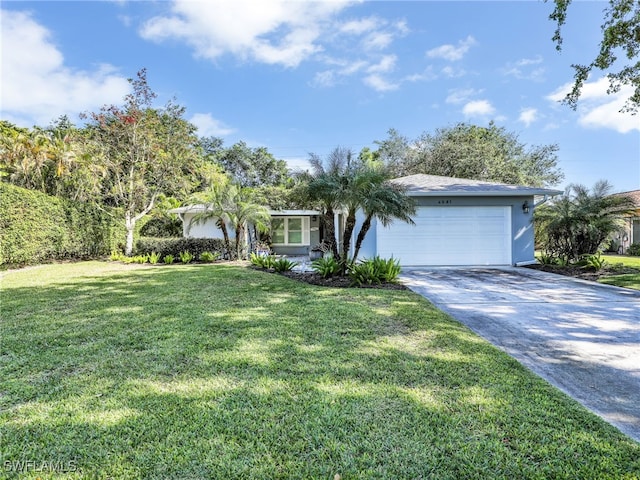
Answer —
283 265
186 257
168 259
547 259
264 261
634 250
173 246
36 228
116 256
594 261
375 270
209 257
326 266
154 257
581 221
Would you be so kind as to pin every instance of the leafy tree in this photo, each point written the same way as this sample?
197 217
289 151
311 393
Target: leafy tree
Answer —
146 152
252 167
580 221
162 223
52 160
25 156
470 151
620 34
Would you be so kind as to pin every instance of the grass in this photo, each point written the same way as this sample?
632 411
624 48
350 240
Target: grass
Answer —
218 371
624 260
620 262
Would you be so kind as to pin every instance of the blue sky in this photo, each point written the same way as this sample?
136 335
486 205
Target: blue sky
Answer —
299 77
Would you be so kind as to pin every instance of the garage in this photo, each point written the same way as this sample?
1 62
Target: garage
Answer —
450 235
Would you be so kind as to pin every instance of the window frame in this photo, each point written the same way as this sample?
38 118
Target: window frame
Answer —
287 243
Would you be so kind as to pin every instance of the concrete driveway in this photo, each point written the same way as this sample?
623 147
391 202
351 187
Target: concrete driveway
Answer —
582 337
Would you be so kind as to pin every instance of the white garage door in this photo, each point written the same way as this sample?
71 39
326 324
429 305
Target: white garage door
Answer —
450 236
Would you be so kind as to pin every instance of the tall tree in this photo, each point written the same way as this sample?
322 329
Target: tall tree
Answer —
470 151
347 184
216 199
323 187
252 167
146 152
226 202
620 34
581 220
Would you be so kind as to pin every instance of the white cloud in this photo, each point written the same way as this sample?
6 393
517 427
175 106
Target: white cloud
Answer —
478 108
377 41
526 69
361 26
386 64
327 78
36 85
461 95
426 75
597 109
379 83
275 32
528 116
451 72
209 126
450 52
298 164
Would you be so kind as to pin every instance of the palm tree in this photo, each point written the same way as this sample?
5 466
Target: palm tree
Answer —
242 211
581 220
216 201
352 184
325 186
385 202
228 203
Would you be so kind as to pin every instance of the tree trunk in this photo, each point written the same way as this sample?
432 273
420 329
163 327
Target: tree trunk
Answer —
130 225
350 225
222 225
328 218
239 241
361 234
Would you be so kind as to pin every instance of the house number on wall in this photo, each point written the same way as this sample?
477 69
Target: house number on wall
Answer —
444 202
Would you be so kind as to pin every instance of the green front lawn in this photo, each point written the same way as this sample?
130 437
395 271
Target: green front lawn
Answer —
619 264
219 371
624 260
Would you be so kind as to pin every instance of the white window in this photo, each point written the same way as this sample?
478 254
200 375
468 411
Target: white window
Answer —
290 230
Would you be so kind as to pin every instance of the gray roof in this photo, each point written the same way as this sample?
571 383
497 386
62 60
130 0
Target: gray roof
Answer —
199 208
434 185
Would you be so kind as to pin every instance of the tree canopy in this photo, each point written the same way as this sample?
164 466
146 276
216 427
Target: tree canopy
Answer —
470 151
145 151
620 34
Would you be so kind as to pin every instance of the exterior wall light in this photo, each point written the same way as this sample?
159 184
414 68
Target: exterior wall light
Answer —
525 206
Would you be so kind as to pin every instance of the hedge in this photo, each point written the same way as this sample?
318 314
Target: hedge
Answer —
173 246
36 228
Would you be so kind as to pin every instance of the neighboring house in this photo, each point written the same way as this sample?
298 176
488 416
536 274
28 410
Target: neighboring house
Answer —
458 222
293 232
631 231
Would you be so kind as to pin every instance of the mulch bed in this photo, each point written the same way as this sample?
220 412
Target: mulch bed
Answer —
337 282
